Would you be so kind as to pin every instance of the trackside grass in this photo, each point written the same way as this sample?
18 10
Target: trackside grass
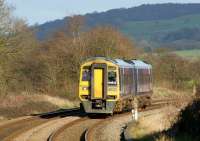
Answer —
13 106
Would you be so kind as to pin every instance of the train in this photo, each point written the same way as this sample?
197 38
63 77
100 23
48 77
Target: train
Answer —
112 85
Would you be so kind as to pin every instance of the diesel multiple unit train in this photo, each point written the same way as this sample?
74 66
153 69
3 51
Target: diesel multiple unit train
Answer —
112 85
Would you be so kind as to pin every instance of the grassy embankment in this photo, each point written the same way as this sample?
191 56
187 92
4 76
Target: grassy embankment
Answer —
13 106
163 125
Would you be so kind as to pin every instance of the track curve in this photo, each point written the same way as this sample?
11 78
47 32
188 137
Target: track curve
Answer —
12 130
74 130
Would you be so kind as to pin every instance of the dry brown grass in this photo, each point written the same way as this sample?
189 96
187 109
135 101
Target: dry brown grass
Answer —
162 92
155 126
149 125
25 104
26 109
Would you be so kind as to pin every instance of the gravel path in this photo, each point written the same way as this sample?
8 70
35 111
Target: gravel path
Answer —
42 132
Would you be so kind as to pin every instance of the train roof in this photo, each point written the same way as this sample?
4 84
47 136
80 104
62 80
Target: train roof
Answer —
141 64
124 63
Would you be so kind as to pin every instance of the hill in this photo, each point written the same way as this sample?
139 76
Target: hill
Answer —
169 25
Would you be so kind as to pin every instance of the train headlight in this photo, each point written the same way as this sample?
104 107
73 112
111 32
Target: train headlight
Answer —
84 88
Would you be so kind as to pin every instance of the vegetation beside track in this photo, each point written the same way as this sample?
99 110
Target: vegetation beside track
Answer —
187 126
21 105
149 125
169 125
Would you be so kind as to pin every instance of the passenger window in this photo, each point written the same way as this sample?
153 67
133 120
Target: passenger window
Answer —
86 75
112 78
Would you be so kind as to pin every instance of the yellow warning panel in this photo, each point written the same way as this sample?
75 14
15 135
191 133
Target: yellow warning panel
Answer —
98 83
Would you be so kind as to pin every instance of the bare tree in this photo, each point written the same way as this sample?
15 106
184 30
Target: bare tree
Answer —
75 25
5 18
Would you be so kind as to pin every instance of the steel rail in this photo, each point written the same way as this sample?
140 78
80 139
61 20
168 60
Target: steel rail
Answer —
54 136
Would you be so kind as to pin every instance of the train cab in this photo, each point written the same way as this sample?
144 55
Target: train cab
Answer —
99 85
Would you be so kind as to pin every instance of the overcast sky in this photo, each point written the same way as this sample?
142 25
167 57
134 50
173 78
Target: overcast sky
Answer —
40 11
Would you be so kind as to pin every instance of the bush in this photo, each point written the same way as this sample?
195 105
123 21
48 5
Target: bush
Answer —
189 120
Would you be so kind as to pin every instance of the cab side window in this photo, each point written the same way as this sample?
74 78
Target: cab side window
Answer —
112 78
86 75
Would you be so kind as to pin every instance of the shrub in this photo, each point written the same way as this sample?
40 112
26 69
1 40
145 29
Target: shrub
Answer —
189 120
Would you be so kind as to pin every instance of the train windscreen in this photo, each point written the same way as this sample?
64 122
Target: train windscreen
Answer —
86 75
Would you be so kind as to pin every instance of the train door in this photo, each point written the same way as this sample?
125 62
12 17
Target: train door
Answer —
98 83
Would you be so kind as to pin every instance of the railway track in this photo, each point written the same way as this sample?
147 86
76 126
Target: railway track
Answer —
54 136
66 125
12 130
74 131
89 129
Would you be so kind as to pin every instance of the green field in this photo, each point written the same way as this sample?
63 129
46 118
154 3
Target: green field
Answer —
195 53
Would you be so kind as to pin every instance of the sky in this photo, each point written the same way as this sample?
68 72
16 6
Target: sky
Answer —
41 11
